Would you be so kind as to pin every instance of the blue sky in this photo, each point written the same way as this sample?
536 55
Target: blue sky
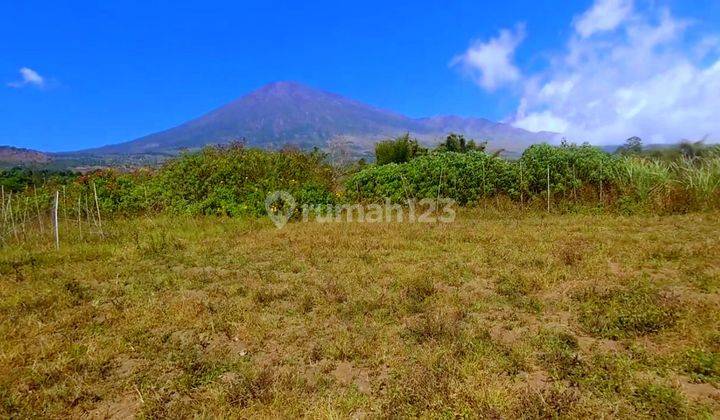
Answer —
78 74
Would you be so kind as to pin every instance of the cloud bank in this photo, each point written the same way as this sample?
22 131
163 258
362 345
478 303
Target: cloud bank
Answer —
490 63
28 77
624 71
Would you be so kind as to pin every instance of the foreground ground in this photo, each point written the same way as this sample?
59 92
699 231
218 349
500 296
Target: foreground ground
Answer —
492 315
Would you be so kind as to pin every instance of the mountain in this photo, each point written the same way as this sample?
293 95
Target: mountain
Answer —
283 113
14 156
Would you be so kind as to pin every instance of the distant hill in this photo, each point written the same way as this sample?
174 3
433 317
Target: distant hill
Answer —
285 113
16 156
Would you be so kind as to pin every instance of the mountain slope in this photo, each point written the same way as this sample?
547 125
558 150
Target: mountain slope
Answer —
290 113
13 155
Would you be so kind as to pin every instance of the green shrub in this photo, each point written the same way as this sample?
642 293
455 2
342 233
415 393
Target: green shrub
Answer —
570 167
457 143
399 150
464 177
19 179
471 175
235 181
123 193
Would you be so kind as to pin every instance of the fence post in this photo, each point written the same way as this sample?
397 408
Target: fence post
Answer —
55 220
25 214
548 188
37 210
97 207
12 217
78 218
5 215
65 206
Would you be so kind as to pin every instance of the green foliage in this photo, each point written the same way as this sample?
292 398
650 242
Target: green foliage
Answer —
215 181
235 181
125 193
570 167
704 366
399 150
700 177
465 177
19 179
632 146
642 178
672 153
457 143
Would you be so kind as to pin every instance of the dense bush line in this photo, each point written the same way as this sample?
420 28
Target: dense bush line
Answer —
467 177
230 180
235 181
579 174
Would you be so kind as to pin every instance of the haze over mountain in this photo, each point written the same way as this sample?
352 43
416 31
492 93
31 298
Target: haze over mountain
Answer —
289 113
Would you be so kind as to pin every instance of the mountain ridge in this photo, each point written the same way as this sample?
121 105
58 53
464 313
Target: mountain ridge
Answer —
282 113
11 155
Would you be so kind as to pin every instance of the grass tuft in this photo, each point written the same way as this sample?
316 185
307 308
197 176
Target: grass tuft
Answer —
638 309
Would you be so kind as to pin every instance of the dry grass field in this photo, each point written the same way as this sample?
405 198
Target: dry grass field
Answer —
494 315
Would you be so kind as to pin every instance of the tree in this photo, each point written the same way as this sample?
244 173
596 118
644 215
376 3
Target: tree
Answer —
694 149
340 151
398 150
632 146
457 143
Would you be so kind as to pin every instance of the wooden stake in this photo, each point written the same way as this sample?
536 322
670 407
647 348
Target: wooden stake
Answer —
548 188
88 213
97 206
55 219
5 213
37 210
25 215
12 216
78 218
65 206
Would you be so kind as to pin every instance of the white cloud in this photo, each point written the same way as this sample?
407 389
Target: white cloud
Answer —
29 77
490 63
640 73
541 121
604 15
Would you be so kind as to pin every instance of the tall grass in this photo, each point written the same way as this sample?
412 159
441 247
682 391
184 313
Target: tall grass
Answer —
701 178
642 181
682 185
